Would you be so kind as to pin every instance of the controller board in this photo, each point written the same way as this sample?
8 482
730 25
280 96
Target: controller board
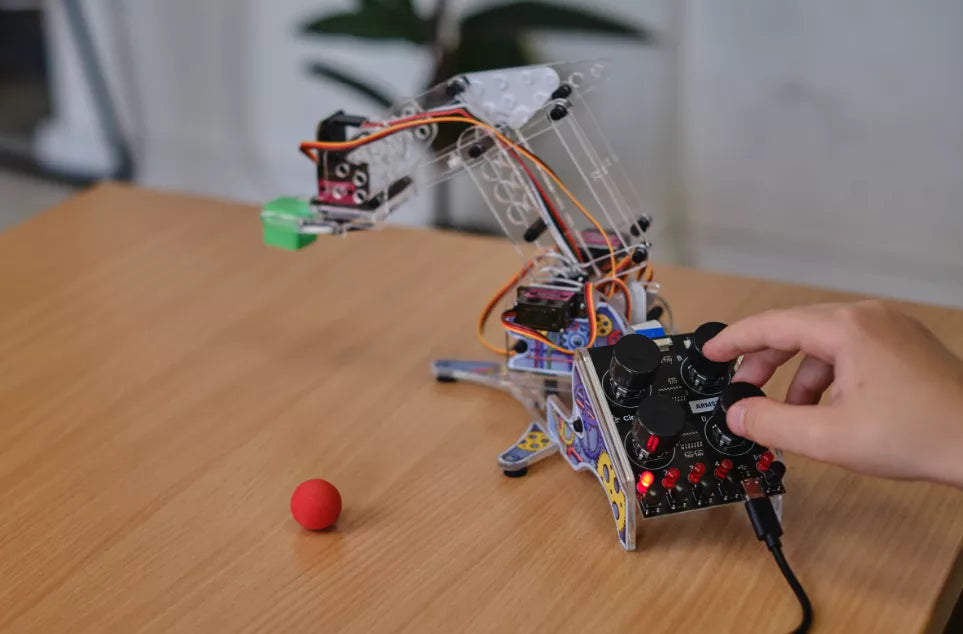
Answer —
669 405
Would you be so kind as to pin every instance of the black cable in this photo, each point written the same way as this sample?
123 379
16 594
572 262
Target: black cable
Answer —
807 607
769 530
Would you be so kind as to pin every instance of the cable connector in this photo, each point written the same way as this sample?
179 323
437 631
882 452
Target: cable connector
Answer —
769 529
761 513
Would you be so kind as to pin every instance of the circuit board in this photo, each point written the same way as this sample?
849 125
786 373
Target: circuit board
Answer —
699 472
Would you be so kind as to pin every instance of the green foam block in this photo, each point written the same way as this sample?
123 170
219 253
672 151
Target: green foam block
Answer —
280 222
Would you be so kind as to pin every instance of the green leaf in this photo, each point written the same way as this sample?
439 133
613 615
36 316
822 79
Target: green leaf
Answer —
517 17
487 50
375 21
320 69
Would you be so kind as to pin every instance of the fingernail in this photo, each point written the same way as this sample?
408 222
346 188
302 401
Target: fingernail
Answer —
736 418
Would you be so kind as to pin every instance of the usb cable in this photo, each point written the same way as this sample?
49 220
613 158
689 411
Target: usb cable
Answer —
768 529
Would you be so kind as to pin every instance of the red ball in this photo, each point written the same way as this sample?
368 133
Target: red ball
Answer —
316 504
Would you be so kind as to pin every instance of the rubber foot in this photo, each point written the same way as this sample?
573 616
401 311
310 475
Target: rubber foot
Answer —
517 473
445 379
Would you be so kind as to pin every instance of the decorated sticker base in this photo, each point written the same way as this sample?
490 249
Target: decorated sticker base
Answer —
585 444
534 445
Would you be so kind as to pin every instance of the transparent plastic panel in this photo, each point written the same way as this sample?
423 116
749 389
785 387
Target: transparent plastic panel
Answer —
529 141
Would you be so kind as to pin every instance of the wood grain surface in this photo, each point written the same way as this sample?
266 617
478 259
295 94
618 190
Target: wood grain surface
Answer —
166 381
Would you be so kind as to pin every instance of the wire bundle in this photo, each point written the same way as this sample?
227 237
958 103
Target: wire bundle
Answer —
614 274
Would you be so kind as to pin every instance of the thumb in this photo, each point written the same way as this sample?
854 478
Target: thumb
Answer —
803 429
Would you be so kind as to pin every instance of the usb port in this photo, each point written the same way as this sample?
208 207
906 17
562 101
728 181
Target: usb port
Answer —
753 488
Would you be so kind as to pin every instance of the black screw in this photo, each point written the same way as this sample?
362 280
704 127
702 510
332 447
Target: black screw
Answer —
455 87
562 92
557 112
641 225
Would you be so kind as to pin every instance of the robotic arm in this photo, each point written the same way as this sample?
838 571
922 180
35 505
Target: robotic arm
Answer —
577 225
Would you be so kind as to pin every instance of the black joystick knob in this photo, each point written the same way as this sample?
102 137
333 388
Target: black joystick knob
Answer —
731 394
705 372
635 360
775 473
658 425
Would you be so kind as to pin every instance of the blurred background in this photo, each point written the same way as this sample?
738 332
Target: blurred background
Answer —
818 142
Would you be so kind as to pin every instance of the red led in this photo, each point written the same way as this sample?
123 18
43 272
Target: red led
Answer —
698 469
671 475
725 466
764 461
645 481
652 444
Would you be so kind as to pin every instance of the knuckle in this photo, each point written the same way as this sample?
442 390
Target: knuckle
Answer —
768 315
916 323
874 305
877 310
860 315
849 316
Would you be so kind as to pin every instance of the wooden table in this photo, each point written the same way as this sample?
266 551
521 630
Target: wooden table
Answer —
166 381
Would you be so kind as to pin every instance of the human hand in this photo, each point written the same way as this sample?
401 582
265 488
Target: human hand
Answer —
895 393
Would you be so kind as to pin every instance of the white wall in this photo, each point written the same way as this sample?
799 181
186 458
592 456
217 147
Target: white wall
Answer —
823 142
219 92
817 141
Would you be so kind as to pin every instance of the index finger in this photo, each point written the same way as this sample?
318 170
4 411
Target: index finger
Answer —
815 330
